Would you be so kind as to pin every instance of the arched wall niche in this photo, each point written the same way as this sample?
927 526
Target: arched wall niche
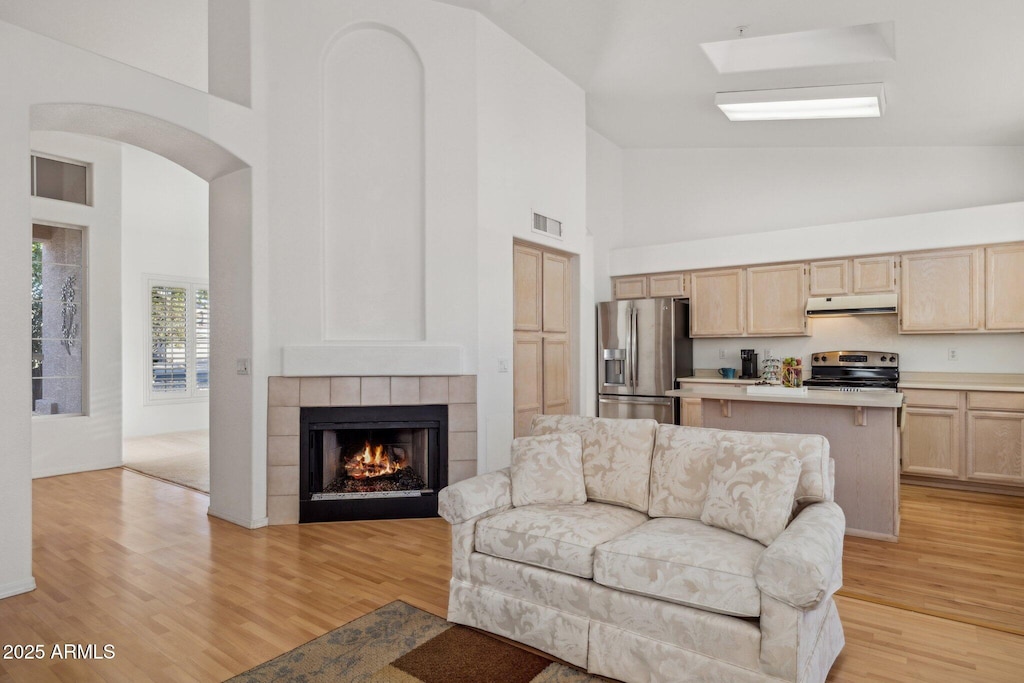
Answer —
373 187
231 398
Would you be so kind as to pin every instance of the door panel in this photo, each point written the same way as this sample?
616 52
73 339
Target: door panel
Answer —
614 363
557 302
526 269
557 393
527 365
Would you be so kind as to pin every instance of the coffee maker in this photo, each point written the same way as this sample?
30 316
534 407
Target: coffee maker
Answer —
748 369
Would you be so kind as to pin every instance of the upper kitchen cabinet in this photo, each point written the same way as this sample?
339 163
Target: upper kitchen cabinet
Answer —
629 287
865 275
1004 287
717 303
830 278
777 300
874 275
941 291
666 284
653 286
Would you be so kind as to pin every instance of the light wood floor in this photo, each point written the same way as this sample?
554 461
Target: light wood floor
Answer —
135 562
960 555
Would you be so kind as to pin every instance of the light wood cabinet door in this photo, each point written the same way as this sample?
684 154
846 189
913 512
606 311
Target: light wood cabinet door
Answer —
931 442
830 278
941 291
995 447
874 275
630 287
691 414
557 297
528 375
666 284
1004 287
777 300
526 270
557 361
717 303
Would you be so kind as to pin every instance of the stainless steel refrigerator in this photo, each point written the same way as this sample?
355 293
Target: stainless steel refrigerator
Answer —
642 347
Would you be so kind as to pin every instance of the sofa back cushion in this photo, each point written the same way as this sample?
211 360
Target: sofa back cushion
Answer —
548 470
684 458
616 455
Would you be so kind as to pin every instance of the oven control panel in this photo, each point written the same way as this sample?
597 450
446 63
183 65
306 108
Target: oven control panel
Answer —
870 359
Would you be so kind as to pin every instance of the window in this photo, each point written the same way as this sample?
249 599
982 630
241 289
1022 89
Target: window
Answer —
179 340
63 180
58 309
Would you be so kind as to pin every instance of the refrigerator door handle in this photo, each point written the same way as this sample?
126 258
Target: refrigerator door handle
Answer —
636 353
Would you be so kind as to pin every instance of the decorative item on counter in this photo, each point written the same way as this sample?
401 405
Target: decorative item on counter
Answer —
770 370
792 372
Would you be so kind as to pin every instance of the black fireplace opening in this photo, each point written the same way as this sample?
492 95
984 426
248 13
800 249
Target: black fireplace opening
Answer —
371 462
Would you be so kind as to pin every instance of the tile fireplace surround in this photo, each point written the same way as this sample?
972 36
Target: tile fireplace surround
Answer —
287 394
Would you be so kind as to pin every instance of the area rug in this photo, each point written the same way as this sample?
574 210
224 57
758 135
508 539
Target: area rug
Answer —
399 643
181 458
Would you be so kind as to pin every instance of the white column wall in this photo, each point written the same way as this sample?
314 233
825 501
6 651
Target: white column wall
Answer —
51 72
531 158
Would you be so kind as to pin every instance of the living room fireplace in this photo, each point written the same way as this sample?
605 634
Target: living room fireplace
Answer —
371 462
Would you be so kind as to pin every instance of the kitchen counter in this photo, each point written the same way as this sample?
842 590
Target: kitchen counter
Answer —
962 381
872 399
862 429
714 380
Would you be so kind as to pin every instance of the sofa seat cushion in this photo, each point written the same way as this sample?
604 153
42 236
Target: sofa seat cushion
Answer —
558 537
686 562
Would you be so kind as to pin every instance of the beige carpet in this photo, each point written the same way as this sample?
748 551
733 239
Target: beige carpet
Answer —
398 643
181 457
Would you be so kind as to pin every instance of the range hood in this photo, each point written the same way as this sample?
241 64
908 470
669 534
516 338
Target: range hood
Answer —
856 304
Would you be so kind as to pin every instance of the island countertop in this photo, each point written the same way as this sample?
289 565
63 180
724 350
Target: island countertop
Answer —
865 399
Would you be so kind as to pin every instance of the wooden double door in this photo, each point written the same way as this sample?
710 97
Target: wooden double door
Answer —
542 359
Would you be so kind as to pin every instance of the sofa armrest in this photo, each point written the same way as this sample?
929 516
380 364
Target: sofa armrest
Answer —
804 565
476 496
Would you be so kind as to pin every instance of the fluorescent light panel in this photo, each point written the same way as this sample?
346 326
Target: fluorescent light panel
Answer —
864 100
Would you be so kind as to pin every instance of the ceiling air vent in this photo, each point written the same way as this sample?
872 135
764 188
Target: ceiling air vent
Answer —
547 225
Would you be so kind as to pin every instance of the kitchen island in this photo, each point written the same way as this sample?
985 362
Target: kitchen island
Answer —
863 433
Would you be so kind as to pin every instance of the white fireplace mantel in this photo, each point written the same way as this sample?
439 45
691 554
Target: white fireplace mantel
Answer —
372 359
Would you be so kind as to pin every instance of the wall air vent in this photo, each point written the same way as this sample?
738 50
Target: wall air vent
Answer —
548 226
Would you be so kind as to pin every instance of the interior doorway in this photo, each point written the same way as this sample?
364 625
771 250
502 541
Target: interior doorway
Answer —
543 360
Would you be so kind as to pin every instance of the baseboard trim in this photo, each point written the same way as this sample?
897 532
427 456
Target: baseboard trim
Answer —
256 523
17 587
61 471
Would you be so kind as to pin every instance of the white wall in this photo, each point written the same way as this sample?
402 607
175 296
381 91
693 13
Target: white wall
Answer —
673 195
605 216
918 352
63 444
443 38
209 136
164 232
531 158
165 38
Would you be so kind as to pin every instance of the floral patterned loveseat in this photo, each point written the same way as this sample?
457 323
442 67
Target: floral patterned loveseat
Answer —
664 569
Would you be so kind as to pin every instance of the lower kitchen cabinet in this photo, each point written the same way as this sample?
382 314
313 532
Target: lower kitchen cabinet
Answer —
966 438
691 414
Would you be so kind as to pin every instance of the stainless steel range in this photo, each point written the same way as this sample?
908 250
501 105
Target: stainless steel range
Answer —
854 371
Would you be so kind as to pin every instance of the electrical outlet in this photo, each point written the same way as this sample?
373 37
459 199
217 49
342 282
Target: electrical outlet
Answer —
953 355
721 353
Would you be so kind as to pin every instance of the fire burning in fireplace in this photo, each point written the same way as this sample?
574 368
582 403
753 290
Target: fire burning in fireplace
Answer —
375 461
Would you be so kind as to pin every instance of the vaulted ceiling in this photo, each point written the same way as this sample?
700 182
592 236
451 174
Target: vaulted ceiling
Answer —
957 77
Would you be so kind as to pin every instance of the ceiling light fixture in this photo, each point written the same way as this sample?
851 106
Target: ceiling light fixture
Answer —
863 100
